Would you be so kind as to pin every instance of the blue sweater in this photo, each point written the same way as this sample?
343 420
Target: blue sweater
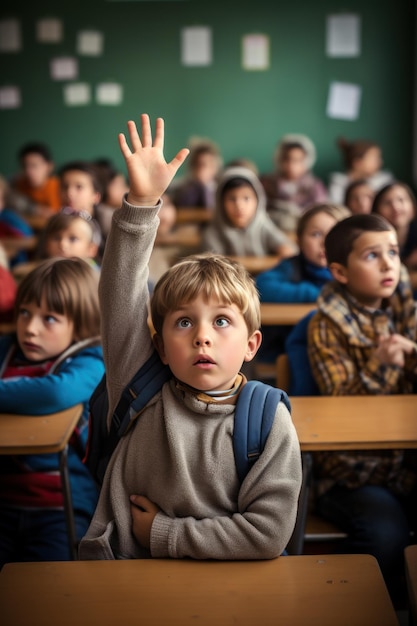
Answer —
292 280
72 383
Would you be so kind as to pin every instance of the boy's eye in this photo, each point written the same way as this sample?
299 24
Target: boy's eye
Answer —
50 319
371 255
183 323
222 322
73 239
393 252
23 312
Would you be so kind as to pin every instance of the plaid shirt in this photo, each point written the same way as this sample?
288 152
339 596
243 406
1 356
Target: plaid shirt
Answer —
342 337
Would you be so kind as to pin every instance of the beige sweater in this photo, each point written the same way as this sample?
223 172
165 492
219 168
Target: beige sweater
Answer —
180 453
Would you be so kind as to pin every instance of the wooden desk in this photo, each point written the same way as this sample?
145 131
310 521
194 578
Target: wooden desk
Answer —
13 245
193 215
277 313
257 264
293 591
347 423
355 422
28 434
411 576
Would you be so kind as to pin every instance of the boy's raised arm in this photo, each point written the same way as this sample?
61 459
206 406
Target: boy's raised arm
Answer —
149 174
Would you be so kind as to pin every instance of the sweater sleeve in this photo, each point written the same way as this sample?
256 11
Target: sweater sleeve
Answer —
334 368
124 295
277 285
266 509
72 384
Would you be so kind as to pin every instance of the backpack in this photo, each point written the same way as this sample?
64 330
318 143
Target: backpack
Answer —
254 416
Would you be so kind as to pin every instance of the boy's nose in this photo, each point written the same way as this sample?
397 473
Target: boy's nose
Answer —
201 338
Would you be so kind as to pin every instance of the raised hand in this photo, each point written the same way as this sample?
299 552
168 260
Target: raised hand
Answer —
149 174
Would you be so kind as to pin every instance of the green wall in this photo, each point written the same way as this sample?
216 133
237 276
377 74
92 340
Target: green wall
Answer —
244 112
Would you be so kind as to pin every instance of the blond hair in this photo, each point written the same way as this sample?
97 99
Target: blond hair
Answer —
208 275
70 288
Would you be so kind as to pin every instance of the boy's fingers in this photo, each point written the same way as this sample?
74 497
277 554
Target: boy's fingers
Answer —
179 159
123 146
159 133
134 135
146 130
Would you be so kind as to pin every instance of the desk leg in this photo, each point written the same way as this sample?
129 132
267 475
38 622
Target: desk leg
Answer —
296 543
69 511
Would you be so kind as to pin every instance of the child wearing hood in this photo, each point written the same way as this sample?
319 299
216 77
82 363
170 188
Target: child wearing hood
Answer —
292 188
241 225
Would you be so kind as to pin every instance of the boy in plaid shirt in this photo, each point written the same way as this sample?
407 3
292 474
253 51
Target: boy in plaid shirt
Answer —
362 341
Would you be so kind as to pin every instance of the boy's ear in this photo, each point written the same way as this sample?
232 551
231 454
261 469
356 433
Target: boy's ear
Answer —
159 345
254 342
339 272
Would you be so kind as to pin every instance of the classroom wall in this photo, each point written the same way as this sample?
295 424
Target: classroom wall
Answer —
245 112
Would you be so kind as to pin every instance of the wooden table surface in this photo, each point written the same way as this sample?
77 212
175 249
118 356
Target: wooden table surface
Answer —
28 434
330 590
355 422
257 264
277 313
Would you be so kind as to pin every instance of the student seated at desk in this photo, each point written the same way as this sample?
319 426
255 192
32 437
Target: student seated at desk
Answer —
53 362
37 181
198 187
241 225
292 187
300 277
171 489
12 224
362 341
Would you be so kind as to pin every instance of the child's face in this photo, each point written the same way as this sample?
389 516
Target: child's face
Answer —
397 207
240 205
42 333
293 164
206 168
373 268
74 241
77 191
369 163
36 169
116 189
311 242
360 199
205 344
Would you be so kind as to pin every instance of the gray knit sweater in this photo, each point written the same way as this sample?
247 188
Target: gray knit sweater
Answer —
179 454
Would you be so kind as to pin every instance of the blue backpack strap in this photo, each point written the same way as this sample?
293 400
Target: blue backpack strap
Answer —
255 413
147 381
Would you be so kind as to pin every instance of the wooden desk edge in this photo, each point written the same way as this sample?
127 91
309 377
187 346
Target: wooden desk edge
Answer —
76 411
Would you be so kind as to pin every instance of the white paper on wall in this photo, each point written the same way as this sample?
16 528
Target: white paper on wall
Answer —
64 68
343 101
10 97
343 35
109 93
255 52
196 46
77 94
49 30
10 36
90 43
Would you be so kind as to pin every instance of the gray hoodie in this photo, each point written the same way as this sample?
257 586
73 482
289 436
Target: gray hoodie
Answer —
262 237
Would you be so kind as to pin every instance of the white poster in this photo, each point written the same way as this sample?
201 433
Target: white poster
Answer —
196 46
255 52
343 101
10 36
77 94
109 94
49 30
64 68
10 97
343 35
90 43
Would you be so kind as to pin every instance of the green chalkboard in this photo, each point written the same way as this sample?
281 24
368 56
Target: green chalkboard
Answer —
244 112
